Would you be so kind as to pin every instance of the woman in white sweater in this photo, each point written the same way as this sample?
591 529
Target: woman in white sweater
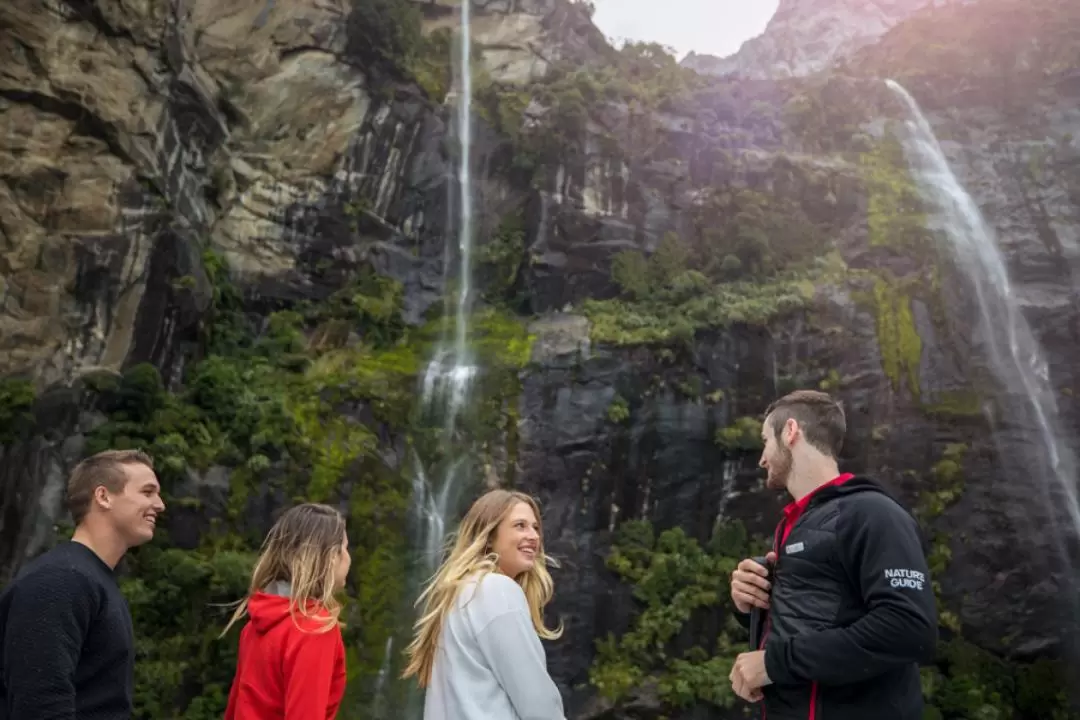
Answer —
477 648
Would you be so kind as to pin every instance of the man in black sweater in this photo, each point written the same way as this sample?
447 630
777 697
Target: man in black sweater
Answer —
847 604
67 651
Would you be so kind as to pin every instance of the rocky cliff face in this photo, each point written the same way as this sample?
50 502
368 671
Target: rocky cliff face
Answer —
806 36
122 121
226 229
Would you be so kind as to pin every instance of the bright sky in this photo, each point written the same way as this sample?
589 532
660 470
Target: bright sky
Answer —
714 27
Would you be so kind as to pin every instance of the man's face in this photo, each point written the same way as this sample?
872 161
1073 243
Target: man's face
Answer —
775 458
134 511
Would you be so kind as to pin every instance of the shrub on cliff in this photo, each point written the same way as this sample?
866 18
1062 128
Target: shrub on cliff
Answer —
684 638
383 31
16 400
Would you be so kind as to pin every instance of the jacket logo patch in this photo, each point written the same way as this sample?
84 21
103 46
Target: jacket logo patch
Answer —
793 548
902 578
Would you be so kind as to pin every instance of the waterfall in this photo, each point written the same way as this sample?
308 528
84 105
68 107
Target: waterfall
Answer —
447 382
379 709
450 373
448 378
1014 353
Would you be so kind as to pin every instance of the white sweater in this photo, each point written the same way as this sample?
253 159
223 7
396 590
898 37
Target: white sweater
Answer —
490 664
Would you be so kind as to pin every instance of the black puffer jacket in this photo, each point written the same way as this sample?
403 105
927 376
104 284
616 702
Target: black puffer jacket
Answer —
852 613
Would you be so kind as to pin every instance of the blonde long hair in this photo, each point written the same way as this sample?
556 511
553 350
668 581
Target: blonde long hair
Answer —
302 549
472 553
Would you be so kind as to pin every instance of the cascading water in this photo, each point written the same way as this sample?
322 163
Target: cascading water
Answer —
1014 353
448 380
449 375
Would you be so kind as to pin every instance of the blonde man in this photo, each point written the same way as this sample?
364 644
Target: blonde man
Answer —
67 650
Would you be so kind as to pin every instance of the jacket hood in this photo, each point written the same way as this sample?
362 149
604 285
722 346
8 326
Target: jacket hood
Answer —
266 610
854 486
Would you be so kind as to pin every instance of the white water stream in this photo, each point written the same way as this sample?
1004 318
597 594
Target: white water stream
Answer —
1015 355
448 380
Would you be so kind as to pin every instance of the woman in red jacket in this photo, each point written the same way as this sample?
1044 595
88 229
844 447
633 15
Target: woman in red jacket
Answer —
291 662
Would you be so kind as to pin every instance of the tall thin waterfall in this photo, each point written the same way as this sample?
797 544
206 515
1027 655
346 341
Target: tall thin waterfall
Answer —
448 380
450 373
1014 353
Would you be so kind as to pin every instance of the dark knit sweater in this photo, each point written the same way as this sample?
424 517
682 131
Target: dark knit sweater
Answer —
67 650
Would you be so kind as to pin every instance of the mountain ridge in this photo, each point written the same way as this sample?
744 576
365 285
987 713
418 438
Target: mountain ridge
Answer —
807 36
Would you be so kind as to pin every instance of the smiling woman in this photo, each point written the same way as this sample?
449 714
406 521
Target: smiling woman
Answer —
517 539
477 648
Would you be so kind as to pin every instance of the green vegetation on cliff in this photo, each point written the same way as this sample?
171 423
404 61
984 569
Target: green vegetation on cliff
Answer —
633 84
172 593
674 313
751 253
389 34
16 400
665 301
826 113
898 339
968 683
742 233
894 215
675 642
897 228
943 488
743 435
500 259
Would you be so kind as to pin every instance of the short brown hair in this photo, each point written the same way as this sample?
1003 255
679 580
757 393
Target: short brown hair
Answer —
103 468
820 417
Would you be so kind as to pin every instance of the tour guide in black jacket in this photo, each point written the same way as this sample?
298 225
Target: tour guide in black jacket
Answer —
849 613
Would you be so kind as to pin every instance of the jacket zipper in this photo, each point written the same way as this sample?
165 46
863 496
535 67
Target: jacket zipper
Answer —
768 615
765 635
